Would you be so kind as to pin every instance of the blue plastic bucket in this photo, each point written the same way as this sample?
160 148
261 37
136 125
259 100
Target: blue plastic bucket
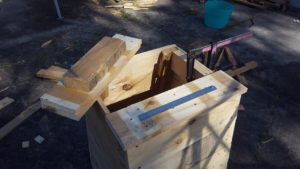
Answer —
217 13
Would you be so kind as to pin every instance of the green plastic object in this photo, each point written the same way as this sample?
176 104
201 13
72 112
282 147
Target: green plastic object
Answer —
217 13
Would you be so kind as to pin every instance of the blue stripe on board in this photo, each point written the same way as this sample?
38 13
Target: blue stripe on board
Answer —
175 103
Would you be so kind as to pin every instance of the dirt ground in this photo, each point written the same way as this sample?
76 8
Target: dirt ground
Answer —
266 135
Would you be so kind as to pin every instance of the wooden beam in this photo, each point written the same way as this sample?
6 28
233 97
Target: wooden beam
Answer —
92 67
72 103
5 102
5 130
52 73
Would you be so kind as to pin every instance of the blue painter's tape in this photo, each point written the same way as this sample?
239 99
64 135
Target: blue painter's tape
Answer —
175 103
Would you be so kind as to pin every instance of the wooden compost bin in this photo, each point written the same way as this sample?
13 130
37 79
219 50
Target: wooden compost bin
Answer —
196 134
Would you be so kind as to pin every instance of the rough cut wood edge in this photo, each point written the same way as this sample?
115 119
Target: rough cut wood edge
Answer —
52 73
5 102
73 104
5 130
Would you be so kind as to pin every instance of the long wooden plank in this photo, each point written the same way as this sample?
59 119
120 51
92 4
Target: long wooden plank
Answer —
5 102
132 131
92 67
19 119
72 103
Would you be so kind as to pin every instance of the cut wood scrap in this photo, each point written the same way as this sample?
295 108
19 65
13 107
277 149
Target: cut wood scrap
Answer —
248 66
6 129
137 73
72 103
5 102
132 44
52 73
92 67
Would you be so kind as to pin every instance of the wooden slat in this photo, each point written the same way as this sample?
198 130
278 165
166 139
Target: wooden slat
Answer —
5 102
132 132
72 103
52 73
92 67
5 130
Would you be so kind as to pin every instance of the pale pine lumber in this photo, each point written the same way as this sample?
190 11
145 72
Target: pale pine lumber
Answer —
92 67
52 73
6 129
132 44
72 103
5 102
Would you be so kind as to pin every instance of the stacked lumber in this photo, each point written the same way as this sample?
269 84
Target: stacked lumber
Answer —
89 77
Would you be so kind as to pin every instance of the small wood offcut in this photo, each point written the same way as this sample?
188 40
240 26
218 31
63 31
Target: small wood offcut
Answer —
116 87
